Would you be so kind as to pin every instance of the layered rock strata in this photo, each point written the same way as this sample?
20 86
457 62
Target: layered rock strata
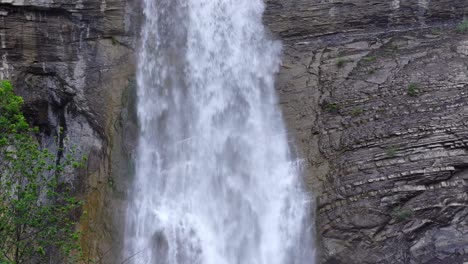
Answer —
72 61
374 93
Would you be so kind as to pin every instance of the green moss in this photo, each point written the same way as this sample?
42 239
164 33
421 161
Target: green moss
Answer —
357 112
391 151
436 31
462 27
341 62
413 89
401 214
114 41
369 59
331 108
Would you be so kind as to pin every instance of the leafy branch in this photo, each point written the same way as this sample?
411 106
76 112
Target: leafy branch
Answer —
37 209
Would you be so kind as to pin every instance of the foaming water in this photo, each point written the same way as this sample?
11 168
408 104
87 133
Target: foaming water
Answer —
215 182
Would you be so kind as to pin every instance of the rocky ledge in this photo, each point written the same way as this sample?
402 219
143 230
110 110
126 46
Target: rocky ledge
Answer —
375 95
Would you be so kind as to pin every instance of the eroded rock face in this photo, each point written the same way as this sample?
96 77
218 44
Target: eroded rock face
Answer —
381 118
72 61
298 19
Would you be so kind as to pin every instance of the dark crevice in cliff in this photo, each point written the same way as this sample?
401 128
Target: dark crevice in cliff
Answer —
61 134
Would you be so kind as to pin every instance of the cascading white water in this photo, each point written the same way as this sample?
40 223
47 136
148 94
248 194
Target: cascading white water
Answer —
215 182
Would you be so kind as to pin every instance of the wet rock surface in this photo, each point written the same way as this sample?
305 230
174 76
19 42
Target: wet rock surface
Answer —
381 119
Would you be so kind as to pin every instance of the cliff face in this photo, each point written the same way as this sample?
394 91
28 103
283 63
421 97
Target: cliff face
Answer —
298 19
72 61
373 91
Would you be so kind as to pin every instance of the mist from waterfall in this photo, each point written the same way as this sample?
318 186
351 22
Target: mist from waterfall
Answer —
215 181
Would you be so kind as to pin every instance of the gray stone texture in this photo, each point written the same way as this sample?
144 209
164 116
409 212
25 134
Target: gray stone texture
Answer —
374 94
73 62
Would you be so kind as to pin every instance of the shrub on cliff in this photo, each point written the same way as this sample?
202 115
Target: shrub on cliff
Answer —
36 208
462 28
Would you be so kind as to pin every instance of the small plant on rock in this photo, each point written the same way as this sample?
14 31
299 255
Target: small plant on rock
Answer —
114 41
462 28
391 151
356 112
369 59
436 31
341 62
402 214
331 108
413 89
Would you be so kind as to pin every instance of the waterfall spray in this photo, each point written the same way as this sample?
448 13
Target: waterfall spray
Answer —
215 181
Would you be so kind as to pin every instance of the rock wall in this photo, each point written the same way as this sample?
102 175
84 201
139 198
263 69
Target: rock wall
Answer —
298 19
73 62
374 93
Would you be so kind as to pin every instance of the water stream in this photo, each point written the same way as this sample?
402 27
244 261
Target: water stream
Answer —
215 181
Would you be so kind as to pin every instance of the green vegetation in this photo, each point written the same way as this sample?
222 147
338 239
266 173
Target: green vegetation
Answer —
114 40
463 27
401 214
341 62
369 59
436 31
413 89
356 112
371 71
331 108
37 211
391 151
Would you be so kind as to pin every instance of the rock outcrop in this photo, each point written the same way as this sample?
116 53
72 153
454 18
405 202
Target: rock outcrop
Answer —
73 62
374 93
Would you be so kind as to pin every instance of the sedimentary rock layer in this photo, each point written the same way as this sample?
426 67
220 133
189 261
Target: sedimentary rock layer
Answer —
375 96
72 61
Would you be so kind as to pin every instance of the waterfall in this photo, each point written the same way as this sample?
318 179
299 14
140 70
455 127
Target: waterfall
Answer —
215 181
